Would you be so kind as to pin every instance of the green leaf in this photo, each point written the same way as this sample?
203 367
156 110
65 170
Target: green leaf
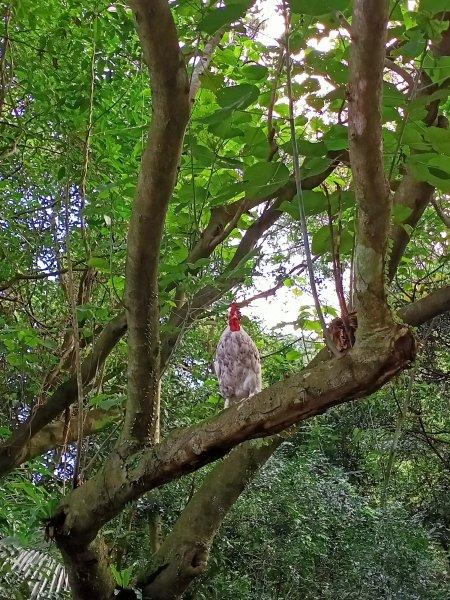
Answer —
282 108
220 17
439 173
392 96
321 241
293 355
225 130
254 72
306 148
433 168
262 173
50 344
346 243
413 133
336 138
201 154
314 203
106 401
432 28
433 6
237 96
101 264
211 81
314 166
318 7
259 175
400 213
4 431
439 139
15 360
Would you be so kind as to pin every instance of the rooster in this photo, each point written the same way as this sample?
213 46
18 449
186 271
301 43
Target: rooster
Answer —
237 364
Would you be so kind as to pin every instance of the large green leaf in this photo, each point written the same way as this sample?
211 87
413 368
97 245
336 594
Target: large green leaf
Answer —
314 166
433 6
223 16
432 168
336 138
258 176
254 72
439 139
237 96
321 241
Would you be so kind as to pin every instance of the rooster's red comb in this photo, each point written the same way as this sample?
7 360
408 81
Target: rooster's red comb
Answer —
234 310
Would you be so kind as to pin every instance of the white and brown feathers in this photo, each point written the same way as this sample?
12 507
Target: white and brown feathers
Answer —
237 364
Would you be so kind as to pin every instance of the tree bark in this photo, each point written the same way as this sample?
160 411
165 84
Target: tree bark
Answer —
157 177
367 54
184 553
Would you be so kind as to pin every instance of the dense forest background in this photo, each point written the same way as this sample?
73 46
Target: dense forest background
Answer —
134 209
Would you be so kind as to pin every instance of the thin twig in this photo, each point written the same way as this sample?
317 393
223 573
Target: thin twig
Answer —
76 341
273 290
304 228
270 128
87 145
33 276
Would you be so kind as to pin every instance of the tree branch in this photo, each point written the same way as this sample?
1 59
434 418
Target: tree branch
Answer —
297 270
12 450
56 434
440 212
203 64
4 285
367 56
157 177
415 195
423 310
185 551
126 477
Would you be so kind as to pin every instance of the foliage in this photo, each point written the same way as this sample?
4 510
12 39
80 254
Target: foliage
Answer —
331 542
327 517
